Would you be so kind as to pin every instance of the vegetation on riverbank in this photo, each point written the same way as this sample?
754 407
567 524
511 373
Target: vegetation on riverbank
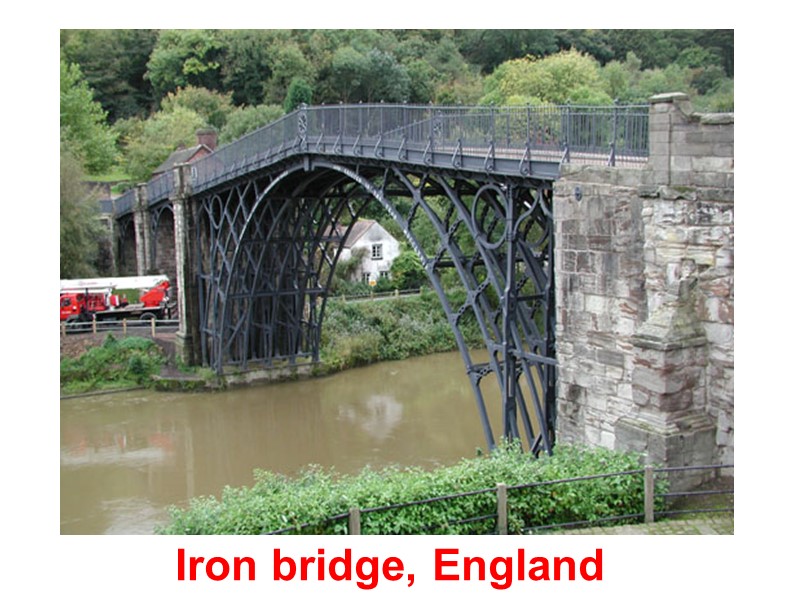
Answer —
353 334
361 333
116 363
277 502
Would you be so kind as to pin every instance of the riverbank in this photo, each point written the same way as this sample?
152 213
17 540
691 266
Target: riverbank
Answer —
354 334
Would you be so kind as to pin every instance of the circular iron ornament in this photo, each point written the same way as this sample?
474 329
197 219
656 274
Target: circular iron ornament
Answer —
482 236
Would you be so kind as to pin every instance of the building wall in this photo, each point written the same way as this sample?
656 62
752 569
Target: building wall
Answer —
644 280
390 250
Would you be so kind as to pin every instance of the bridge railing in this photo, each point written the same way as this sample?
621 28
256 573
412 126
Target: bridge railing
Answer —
610 135
492 510
160 187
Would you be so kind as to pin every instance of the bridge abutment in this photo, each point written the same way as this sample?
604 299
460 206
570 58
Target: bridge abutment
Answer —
644 271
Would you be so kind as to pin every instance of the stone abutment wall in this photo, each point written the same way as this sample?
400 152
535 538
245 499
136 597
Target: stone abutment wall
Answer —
644 263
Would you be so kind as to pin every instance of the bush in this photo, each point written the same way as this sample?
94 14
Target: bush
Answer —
114 364
277 502
360 333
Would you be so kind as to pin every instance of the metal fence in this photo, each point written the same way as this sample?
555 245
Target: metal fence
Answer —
473 137
350 522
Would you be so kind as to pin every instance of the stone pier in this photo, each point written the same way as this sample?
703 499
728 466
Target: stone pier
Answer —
644 264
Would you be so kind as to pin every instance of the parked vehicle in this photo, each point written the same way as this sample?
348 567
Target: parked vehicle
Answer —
87 299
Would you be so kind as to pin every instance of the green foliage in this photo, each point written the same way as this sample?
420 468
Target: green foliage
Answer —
132 70
568 76
288 62
243 120
117 363
370 76
407 271
360 333
84 131
184 57
80 230
306 502
158 137
299 92
247 63
114 62
213 107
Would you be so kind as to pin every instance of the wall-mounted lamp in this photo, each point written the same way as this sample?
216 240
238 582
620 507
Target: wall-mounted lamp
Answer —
578 194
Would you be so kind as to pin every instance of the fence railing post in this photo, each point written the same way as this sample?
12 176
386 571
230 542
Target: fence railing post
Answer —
94 324
124 326
152 328
354 521
502 509
649 494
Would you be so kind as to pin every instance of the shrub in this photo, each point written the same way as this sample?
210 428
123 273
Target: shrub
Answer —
116 363
307 502
359 333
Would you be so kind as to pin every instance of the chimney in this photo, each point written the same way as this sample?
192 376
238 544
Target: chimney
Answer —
208 137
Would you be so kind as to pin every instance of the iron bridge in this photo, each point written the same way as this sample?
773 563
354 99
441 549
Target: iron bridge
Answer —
271 210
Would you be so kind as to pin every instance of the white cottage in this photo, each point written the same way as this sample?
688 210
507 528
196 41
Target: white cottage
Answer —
380 250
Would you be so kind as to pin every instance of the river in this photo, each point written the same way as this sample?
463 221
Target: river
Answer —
126 457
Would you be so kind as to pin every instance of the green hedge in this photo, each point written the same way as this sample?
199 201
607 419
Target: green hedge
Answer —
276 502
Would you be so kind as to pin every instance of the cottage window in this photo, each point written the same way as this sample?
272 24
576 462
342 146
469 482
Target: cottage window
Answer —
365 277
377 251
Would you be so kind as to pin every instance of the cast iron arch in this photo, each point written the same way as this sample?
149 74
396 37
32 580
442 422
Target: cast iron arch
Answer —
272 244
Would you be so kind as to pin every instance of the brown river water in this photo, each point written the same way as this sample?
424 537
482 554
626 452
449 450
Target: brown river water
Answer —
126 457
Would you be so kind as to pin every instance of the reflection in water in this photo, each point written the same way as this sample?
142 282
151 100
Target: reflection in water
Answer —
126 457
377 415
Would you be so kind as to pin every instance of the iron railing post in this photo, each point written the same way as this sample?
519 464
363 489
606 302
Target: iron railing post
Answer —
613 157
567 122
649 494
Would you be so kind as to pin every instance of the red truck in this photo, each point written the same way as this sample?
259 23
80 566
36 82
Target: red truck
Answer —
87 299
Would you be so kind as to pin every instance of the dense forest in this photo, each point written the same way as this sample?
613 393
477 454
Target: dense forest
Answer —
130 97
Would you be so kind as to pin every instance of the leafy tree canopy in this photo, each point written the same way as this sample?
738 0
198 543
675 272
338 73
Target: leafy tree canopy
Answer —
79 227
213 107
567 76
245 119
184 57
300 92
158 137
114 62
83 122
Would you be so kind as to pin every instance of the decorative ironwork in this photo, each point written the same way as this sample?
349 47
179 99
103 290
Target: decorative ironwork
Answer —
269 246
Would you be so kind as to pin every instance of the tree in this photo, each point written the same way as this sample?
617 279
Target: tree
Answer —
568 76
184 57
84 130
114 62
213 107
246 63
245 119
288 62
158 137
299 92
407 271
489 48
80 230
